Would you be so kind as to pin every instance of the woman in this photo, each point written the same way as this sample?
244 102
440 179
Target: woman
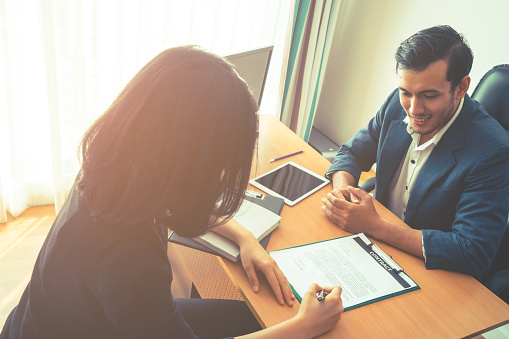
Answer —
180 137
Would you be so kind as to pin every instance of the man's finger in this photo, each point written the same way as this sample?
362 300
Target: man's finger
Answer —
335 218
327 205
359 192
337 193
338 202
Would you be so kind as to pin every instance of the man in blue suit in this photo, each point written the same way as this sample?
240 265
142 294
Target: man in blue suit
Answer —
442 162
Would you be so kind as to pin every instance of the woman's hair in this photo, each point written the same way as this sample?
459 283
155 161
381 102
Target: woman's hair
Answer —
433 44
180 136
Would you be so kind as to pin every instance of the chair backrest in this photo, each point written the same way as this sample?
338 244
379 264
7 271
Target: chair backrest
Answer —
493 93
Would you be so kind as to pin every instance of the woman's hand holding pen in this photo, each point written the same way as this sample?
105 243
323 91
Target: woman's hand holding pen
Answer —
320 316
313 318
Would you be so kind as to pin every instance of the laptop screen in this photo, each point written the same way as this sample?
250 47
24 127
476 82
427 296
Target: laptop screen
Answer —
253 66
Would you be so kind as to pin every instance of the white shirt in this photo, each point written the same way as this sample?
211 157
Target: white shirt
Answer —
409 169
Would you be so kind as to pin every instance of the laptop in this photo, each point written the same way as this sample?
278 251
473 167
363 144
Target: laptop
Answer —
253 67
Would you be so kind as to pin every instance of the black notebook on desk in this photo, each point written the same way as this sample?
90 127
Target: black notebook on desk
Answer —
272 203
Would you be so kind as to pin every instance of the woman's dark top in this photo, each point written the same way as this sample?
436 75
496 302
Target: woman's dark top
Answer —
96 280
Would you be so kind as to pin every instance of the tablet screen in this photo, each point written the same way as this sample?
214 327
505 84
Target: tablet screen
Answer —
290 181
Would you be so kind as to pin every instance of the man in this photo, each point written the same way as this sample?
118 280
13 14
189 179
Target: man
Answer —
442 162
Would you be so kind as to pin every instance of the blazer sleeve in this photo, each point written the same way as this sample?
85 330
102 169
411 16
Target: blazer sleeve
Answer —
480 220
360 152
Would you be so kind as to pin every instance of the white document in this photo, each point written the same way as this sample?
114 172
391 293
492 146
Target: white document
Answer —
365 273
256 219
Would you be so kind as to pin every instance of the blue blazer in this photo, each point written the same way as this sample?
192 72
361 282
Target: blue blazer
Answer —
460 200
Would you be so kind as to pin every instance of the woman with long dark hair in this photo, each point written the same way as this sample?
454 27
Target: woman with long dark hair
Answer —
179 138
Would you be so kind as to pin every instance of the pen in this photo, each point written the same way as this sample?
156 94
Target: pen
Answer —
321 295
285 156
254 194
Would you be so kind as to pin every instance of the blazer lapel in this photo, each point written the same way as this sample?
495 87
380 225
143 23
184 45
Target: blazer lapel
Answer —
393 150
441 159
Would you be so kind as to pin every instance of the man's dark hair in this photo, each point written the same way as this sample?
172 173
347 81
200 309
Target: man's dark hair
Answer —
181 135
433 44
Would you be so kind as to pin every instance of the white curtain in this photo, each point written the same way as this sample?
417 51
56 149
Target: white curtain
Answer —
62 62
314 23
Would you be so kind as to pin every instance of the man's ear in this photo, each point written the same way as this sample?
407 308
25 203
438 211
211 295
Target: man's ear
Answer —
462 87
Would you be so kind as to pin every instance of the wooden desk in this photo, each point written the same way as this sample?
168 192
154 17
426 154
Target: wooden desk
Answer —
448 305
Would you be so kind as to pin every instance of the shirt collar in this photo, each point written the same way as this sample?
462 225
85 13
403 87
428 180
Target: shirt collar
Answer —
441 132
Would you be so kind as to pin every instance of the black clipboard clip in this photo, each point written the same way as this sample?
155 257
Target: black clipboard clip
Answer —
385 257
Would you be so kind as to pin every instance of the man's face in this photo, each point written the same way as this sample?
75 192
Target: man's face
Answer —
427 98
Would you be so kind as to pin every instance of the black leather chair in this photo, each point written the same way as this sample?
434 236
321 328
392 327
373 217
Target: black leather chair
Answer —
492 92
368 185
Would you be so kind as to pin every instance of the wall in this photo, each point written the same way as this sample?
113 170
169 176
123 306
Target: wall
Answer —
360 73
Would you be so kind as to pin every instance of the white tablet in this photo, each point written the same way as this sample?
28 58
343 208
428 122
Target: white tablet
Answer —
290 181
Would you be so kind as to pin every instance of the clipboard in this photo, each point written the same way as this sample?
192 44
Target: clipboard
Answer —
364 271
